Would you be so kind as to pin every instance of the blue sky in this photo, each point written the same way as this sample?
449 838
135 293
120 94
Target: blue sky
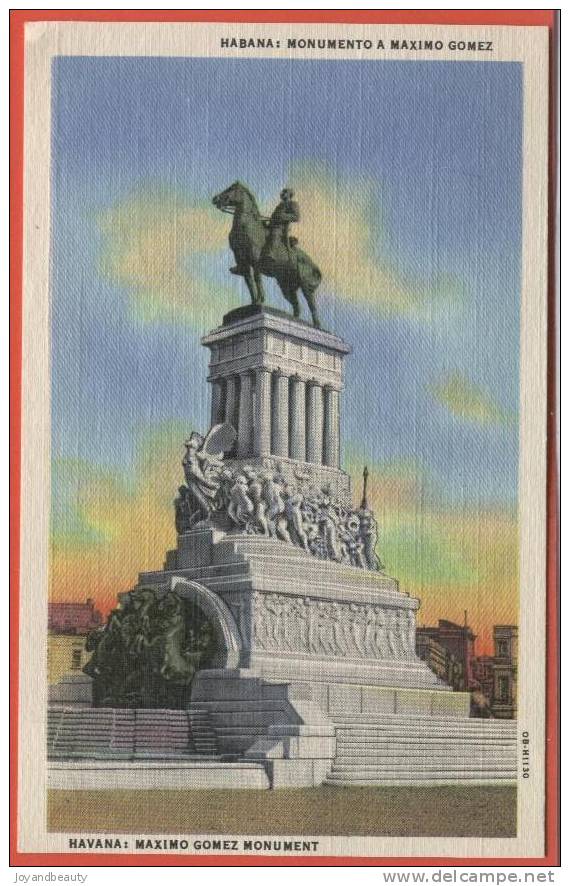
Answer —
435 147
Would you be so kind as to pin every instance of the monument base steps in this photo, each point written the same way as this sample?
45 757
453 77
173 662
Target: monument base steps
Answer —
127 732
282 739
203 737
307 733
416 751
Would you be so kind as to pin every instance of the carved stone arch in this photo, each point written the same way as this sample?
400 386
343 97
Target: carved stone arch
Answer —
219 615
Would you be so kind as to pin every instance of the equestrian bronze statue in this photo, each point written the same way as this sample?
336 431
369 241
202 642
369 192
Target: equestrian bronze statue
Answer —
263 247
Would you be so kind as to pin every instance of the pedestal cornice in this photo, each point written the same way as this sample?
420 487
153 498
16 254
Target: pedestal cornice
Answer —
270 319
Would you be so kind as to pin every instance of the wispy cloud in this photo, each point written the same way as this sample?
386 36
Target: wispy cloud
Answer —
161 249
107 525
343 229
469 401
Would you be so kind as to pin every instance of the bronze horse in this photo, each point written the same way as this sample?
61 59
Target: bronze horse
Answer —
262 249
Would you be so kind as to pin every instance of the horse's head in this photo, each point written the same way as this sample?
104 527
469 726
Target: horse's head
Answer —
233 197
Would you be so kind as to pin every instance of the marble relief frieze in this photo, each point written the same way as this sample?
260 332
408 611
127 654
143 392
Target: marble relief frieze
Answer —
283 623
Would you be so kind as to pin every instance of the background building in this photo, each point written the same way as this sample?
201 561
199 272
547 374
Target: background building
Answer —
68 627
449 650
497 674
73 618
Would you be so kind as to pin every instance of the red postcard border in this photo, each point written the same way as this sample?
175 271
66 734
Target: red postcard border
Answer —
511 17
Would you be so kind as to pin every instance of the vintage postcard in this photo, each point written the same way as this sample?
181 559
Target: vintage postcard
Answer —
282 582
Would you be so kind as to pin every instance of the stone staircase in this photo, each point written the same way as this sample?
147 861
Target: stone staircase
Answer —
142 749
203 737
122 733
406 750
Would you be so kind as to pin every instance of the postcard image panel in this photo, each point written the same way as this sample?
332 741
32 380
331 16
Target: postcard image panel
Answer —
283 440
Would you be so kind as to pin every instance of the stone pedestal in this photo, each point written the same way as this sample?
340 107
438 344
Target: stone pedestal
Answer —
302 643
271 620
278 381
300 618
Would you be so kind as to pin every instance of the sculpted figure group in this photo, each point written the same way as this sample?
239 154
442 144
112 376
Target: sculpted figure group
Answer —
148 651
338 629
263 502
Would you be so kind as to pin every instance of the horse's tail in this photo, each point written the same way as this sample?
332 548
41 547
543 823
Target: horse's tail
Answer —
309 274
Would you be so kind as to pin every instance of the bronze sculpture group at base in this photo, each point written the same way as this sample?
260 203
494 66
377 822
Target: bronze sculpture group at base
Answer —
148 652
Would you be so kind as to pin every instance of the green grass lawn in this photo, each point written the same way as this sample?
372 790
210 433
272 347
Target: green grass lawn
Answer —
455 811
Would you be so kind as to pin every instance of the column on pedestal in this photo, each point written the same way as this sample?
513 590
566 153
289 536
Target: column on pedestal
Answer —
280 415
231 407
245 420
331 434
217 412
262 417
297 423
314 422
